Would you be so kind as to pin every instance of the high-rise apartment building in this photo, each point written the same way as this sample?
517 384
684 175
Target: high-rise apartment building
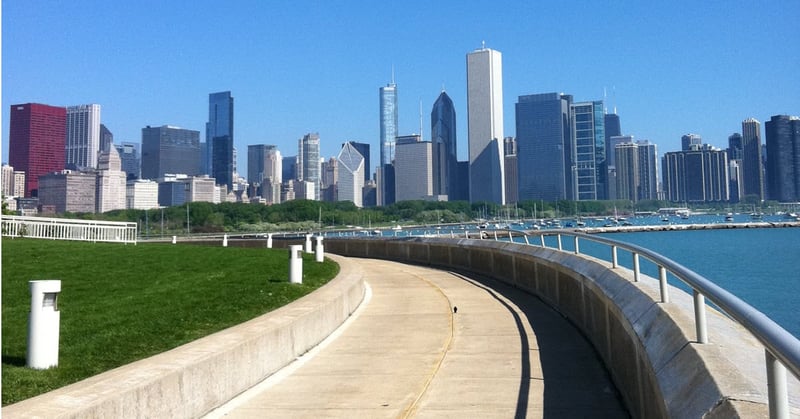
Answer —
544 142
636 167
588 151
413 178
308 165
626 158
129 158
37 138
219 138
444 145
83 136
752 169
783 158
697 175
485 126
351 175
648 170
169 149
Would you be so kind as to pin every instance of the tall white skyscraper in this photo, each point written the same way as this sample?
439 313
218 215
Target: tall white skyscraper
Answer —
485 125
83 135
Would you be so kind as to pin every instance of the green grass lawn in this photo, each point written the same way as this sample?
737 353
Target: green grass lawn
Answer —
121 303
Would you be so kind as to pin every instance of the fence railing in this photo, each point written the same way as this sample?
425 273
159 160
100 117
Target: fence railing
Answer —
68 229
782 349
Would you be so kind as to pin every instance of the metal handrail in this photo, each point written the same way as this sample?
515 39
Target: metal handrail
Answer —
779 344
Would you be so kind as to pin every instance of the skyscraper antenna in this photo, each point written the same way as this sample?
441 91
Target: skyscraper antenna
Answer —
483 44
605 101
393 74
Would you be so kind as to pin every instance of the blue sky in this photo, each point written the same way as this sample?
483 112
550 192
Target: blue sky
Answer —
670 68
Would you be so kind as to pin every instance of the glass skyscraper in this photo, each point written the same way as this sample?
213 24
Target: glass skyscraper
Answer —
168 149
544 141
388 107
589 155
445 153
783 158
219 138
308 163
485 126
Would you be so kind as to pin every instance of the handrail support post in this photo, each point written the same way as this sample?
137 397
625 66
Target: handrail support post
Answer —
776 387
614 261
662 282
635 267
700 316
577 248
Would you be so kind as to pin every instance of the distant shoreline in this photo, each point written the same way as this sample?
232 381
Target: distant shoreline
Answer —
679 227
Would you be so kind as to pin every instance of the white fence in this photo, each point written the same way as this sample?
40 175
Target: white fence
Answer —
67 229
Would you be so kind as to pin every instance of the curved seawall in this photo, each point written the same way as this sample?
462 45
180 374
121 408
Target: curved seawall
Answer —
648 347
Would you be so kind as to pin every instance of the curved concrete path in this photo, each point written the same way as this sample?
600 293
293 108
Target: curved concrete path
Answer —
404 353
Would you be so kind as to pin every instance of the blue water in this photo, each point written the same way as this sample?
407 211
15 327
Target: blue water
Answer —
759 265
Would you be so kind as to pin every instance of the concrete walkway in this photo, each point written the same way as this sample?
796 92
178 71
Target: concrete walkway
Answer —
406 354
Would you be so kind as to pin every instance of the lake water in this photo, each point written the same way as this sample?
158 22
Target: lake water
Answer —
759 265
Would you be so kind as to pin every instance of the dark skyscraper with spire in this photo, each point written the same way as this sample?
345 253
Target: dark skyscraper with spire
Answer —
219 137
445 153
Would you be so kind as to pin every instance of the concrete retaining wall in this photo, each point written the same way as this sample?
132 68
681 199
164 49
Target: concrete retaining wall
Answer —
195 378
648 347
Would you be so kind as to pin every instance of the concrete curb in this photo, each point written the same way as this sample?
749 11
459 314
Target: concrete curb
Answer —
195 378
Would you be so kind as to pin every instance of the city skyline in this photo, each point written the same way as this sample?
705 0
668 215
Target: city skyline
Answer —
694 70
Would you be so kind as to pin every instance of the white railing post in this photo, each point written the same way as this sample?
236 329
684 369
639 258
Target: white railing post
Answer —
662 281
577 248
614 263
559 242
635 267
776 388
700 316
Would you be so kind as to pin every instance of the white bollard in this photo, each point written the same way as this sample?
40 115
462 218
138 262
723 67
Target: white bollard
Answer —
296 264
174 239
320 250
225 241
43 324
269 241
308 243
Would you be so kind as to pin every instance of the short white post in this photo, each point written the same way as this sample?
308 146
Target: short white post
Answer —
43 324
296 264
308 243
225 241
320 250
269 241
174 239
